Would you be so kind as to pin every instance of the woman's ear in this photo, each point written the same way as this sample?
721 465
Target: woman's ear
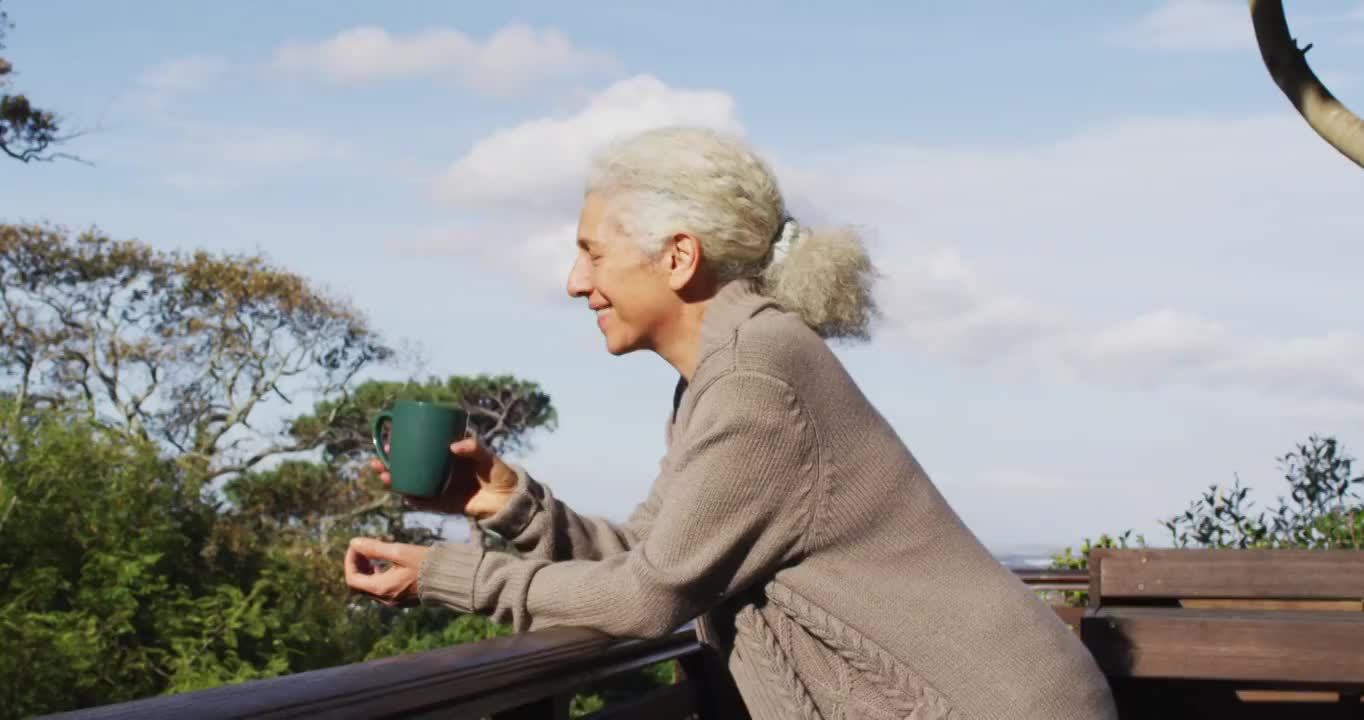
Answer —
683 260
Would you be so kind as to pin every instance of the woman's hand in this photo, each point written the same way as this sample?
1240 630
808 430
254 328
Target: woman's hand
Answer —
480 483
394 585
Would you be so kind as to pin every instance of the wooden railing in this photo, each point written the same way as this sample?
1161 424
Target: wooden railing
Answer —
530 675
1229 633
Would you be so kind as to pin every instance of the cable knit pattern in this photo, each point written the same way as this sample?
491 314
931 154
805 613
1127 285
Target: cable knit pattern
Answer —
781 477
901 686
775 665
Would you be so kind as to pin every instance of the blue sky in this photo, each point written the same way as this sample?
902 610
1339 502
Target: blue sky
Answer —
1118 266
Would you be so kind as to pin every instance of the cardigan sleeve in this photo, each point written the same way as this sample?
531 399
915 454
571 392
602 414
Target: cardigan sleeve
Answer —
738 507
538 525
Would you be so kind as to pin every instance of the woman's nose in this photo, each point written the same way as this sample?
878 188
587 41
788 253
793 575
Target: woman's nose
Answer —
579 284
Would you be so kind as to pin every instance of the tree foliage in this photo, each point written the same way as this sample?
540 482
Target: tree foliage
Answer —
26 132
316 506
501 408
113 584
1322 510
130 378
121 577
179 349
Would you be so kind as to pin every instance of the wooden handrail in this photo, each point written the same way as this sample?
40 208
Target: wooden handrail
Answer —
473 678
470 680
1046 579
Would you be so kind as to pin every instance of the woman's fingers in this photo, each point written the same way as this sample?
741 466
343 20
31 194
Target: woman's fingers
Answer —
356 563
377 466
468 448
472 450
380 468
461 484
392 583
360 574
372 548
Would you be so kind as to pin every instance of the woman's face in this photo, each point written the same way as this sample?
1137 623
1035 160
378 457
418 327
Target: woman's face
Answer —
628 289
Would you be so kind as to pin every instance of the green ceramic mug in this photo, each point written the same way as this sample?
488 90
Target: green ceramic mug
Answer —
419 437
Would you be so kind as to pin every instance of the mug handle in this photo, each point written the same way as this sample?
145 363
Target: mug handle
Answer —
376 431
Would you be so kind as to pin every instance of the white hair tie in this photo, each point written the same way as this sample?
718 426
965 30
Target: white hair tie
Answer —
786 237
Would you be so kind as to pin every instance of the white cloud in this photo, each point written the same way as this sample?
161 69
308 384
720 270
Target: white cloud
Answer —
939 304
1104 256
540 166
1044 255
525 182
510 61
942 307
1168 347
1152 346
184 74
157 87
1192 25
209 157
1327 367
540 254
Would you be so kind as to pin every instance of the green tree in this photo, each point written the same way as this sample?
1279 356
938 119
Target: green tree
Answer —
111 587
120 578
157 532
311 508
503 409
1322 510
130 378
306 511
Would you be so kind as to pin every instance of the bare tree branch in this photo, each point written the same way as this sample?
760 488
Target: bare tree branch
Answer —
378 503
184 350
38 152
256 459
1287 64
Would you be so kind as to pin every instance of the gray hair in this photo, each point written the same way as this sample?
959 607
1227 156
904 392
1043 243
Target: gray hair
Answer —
710 185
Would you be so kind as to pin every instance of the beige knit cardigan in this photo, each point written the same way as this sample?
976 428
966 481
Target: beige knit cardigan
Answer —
792 522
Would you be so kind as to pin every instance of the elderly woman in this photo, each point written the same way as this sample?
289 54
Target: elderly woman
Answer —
787 515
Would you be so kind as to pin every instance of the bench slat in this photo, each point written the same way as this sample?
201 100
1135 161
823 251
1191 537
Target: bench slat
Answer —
1279 647
1269 574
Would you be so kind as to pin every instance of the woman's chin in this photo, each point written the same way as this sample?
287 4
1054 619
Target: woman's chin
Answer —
618 345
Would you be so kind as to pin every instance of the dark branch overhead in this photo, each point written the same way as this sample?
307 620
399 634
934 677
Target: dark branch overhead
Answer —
1287 64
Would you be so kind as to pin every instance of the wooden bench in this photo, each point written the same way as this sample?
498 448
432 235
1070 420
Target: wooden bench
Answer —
1229 633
